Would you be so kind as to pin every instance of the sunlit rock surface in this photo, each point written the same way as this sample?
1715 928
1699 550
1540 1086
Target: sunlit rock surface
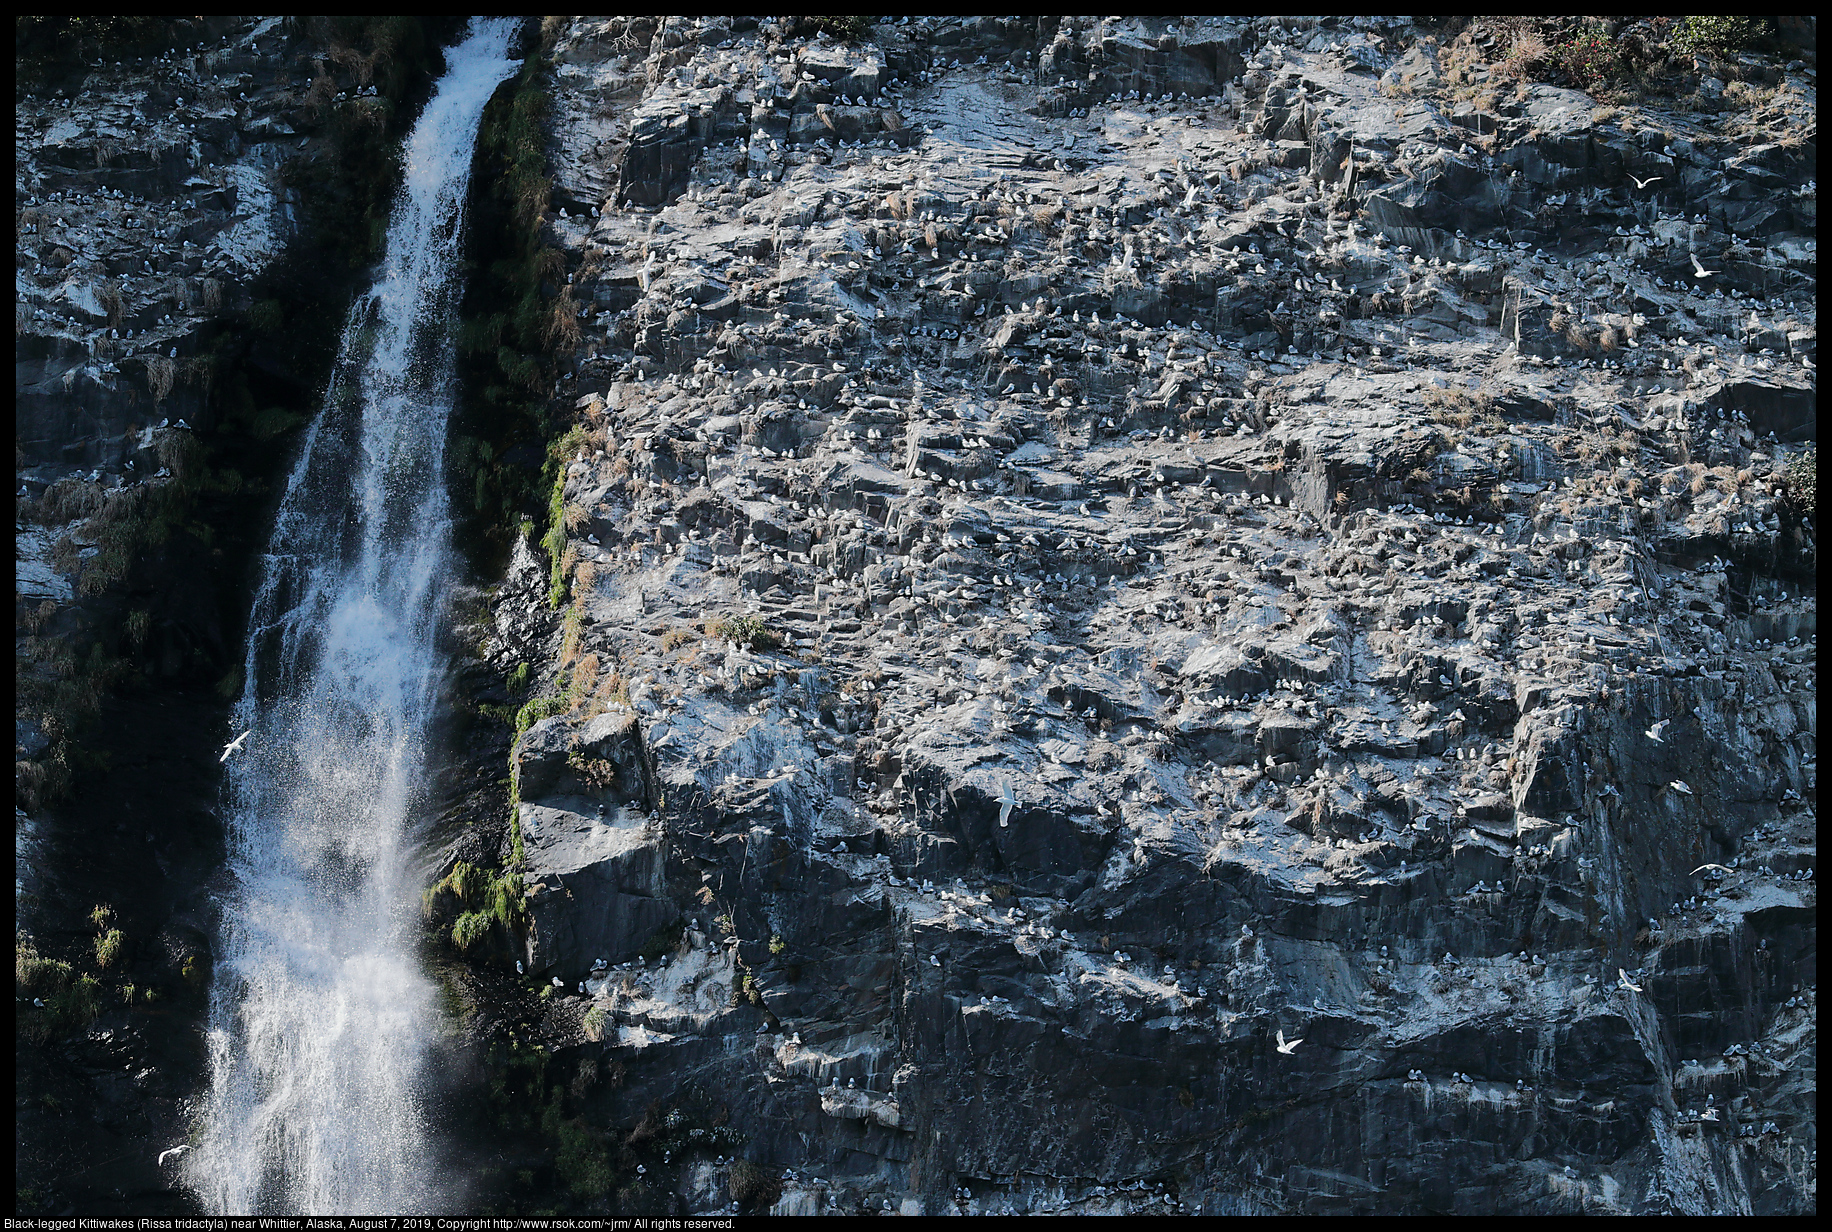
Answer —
1118 540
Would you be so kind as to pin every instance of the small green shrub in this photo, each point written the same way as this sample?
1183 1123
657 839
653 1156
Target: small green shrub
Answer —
777 945
230 686
268 316
1802 478
662 940
842 28
753 1188
1720 36
747 630
518 679
583 1157
1589 59
596 772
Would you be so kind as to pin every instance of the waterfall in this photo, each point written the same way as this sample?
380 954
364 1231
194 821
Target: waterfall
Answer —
319 1017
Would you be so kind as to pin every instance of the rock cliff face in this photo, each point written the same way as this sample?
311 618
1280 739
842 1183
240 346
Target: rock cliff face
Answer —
1210 616
1098 546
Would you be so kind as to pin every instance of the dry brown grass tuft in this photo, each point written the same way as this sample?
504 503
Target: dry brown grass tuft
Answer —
160 373
563 321
584 679
109 296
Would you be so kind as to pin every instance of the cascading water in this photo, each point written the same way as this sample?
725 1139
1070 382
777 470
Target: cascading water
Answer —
319 1018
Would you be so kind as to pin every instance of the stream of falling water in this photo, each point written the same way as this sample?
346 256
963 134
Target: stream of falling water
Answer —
319 1017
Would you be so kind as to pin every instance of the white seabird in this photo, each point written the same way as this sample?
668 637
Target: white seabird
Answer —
1288 1046
1653 733
1622 979
234 746
1006 803
172 1153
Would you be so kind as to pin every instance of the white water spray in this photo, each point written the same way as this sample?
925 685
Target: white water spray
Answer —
319 1018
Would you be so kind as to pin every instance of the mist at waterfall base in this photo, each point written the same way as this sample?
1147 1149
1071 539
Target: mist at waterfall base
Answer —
320 1018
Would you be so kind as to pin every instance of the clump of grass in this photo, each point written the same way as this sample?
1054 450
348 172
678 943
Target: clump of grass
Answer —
572 632
69 1001
594 1023
470 928
109 948
488 897
584 680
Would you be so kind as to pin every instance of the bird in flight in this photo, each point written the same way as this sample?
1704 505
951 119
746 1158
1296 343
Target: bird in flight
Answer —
1654 731
234 746
1641 183
1006 802
173 1153
1288 1046
1622 979
1699 271
1701 868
